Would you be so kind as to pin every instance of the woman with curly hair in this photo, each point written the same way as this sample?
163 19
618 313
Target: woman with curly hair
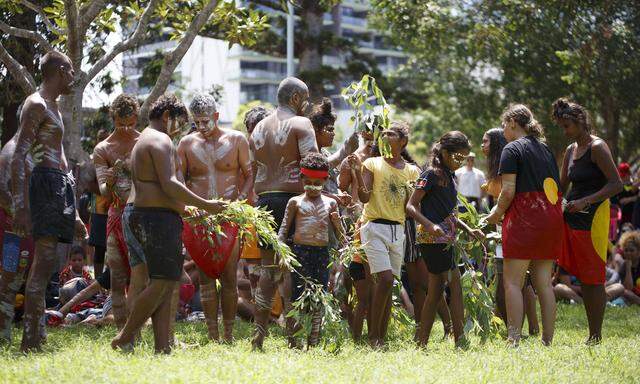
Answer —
589 169
628 261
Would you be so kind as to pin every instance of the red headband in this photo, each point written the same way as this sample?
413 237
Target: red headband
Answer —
314 173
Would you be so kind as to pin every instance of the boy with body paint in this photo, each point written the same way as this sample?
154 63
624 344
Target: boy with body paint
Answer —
112 160
215 163
312 214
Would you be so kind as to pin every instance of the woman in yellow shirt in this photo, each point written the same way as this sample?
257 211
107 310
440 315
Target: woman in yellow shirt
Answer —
385 185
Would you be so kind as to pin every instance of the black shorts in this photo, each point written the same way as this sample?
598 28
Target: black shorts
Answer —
98 232
53 204
276 203
314 265
356 271
159 232
438 257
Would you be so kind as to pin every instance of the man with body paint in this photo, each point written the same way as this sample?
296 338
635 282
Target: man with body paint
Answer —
215 164
278 143
50 213
112 160
155 221
16 259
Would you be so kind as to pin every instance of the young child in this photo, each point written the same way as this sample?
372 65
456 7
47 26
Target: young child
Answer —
311 214
76 267
433 206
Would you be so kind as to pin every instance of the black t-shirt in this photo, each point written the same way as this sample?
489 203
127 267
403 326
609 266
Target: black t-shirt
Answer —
439 201
531 161
627 209
105 279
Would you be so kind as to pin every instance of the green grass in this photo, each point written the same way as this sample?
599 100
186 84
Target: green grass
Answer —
82 355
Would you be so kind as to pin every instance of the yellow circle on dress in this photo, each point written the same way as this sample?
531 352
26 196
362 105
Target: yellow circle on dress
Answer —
551 190
600 229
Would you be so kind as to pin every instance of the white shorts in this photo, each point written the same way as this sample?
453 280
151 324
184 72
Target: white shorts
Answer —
383 245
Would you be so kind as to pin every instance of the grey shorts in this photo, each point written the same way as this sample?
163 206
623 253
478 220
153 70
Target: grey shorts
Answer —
53 204
136 254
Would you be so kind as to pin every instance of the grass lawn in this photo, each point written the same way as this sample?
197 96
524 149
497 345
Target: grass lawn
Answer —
82 355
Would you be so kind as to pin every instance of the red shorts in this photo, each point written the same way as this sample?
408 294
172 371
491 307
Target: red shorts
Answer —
210 256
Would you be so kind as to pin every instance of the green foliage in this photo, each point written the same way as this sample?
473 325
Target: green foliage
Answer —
476 57
368 116
93 122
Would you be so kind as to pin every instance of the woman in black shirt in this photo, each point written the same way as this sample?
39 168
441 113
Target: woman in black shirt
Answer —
589 167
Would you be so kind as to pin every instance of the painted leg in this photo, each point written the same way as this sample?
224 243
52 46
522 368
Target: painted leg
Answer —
229 296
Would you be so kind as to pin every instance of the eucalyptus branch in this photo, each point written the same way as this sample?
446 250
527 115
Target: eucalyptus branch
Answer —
125 45
26 34
37 9
18 71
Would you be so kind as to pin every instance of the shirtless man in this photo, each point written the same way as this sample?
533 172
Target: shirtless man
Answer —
112 160
215 164
278 143
155 220
15 260
50 213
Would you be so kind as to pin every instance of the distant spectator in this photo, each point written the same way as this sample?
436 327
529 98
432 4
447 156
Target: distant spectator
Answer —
628 262
470 181
76 267
626 199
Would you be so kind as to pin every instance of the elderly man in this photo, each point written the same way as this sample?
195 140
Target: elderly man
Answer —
215 164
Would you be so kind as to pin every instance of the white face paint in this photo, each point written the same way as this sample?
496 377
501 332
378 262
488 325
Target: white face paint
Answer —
313 188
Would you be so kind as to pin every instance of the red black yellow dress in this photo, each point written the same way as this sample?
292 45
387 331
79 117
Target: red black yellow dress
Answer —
532 228
587 231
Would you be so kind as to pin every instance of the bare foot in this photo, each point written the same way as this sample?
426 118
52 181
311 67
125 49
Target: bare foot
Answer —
593 340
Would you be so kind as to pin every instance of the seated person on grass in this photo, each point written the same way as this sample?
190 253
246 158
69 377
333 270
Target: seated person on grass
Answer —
628 262
311 214
76 267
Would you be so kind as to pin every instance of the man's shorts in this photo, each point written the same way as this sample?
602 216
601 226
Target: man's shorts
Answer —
53 204
159 230
98 231
136 253
384 246
276 203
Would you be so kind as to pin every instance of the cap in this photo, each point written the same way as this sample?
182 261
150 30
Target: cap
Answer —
471 154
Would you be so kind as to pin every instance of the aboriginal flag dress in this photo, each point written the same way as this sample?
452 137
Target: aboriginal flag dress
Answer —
587 231
532 228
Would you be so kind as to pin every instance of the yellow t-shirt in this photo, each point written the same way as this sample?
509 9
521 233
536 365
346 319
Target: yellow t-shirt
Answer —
391 188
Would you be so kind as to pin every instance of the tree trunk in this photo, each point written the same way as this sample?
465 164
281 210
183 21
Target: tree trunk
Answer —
71 109
310 55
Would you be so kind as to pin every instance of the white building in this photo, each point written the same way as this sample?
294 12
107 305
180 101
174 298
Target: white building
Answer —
246 75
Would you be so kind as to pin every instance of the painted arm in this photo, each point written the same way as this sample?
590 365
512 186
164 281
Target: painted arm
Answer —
30 119
344 177
183 163
287 221
246 169
163 156
334 216
347 148
104 173
507 193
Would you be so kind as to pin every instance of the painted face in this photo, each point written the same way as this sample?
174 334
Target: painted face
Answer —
313 186
631 251
205 123
127 123
67 73
571 130
454 160
485 145
325 136
76 263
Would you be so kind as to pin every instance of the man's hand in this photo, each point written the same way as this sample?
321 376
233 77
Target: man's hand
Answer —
109 177
80 230
215 206
354 162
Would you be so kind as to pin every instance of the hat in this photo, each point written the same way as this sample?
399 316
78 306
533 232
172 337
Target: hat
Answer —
471 154
624 169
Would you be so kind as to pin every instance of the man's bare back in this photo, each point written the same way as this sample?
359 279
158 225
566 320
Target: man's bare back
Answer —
144 170
279 142
212 164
